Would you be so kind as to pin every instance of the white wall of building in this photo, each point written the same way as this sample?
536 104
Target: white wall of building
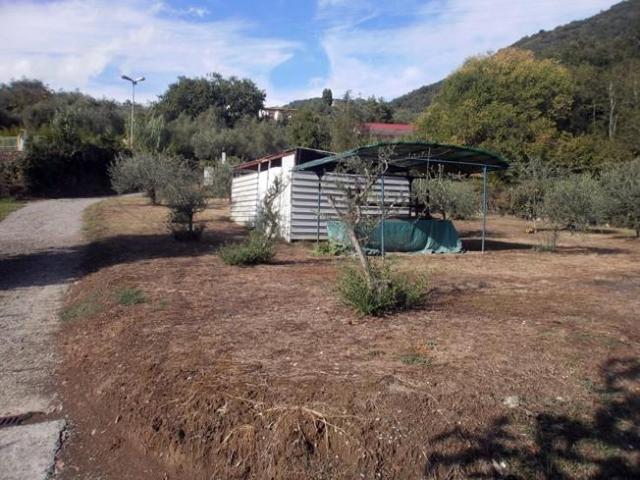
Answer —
298 203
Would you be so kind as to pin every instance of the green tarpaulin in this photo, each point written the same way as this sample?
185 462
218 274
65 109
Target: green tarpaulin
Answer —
405 235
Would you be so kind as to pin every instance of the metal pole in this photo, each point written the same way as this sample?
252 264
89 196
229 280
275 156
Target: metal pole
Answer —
318 213
484 204
133 102
382 215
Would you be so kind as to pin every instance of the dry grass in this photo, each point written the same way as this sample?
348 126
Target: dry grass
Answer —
261 372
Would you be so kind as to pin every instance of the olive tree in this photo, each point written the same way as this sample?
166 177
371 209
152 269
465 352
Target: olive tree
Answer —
621 195
447 196
144 171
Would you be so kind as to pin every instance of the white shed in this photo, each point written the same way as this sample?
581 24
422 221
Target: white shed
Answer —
303 193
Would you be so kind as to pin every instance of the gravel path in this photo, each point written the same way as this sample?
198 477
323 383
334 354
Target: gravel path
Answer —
40 252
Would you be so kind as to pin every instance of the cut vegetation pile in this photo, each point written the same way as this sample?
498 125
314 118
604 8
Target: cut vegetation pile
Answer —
521 363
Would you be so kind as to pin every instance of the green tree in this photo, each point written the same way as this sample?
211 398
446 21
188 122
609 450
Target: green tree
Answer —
327 97
231 98
309 129
345 125
510 102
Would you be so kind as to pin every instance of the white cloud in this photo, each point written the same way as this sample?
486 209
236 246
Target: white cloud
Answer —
75 44
439 37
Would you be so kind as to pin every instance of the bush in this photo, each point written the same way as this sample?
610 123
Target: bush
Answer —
257 249
330 249
388 292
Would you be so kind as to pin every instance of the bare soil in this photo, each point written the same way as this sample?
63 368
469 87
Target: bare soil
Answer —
522 364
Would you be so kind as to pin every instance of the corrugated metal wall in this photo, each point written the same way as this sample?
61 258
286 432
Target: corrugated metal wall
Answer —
244 198
304 201
300 213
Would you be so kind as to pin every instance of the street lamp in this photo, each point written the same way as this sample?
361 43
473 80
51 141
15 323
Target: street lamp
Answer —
133 101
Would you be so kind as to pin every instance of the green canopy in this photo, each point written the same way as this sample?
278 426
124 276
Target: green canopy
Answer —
416 157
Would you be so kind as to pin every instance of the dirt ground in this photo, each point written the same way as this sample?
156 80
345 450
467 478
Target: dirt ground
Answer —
522 364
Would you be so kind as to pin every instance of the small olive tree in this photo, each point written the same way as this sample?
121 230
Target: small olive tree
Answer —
447 196
372 289
572 203
185 198
621 195
527 197
145 172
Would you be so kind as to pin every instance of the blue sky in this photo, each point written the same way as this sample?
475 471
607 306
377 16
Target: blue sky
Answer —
290 48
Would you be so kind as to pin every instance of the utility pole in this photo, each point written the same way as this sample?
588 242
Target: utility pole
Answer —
133 103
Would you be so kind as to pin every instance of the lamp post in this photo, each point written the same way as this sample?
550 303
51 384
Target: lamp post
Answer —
133 102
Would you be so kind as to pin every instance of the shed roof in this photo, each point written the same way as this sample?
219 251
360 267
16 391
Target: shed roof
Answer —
418 157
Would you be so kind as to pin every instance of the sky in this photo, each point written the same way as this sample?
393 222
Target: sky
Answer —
291 48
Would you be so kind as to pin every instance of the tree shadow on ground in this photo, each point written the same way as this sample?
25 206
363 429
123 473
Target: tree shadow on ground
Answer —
604 446
60 265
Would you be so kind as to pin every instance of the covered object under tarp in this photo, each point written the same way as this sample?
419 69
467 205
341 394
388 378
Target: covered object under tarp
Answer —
415 235
413 160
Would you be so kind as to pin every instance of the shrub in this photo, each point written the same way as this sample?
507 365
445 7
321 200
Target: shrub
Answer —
621 195
330 249
260 247
388 291
257 249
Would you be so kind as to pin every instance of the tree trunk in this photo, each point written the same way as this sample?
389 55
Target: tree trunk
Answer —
362 257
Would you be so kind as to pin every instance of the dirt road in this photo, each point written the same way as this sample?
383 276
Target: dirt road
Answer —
40 253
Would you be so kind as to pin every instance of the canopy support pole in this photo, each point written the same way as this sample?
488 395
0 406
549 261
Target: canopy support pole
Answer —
484 204
319 206
382 213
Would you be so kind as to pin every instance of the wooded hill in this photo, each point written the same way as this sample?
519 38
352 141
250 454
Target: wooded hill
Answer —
602 41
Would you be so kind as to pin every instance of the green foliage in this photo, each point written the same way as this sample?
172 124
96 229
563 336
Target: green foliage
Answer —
330 249
221 178
254 251
130 296
387 292
185 198
327 97
415 359
260 247
17 96
346 121
409 106
509 102
573 202
309 129
231 98
448 196
86 306
527 196
621 195
144 171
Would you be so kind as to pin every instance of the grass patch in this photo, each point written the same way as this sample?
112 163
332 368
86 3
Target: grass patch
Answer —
85 307
9 205
253 251
130 296
415 359
329 249
389 291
